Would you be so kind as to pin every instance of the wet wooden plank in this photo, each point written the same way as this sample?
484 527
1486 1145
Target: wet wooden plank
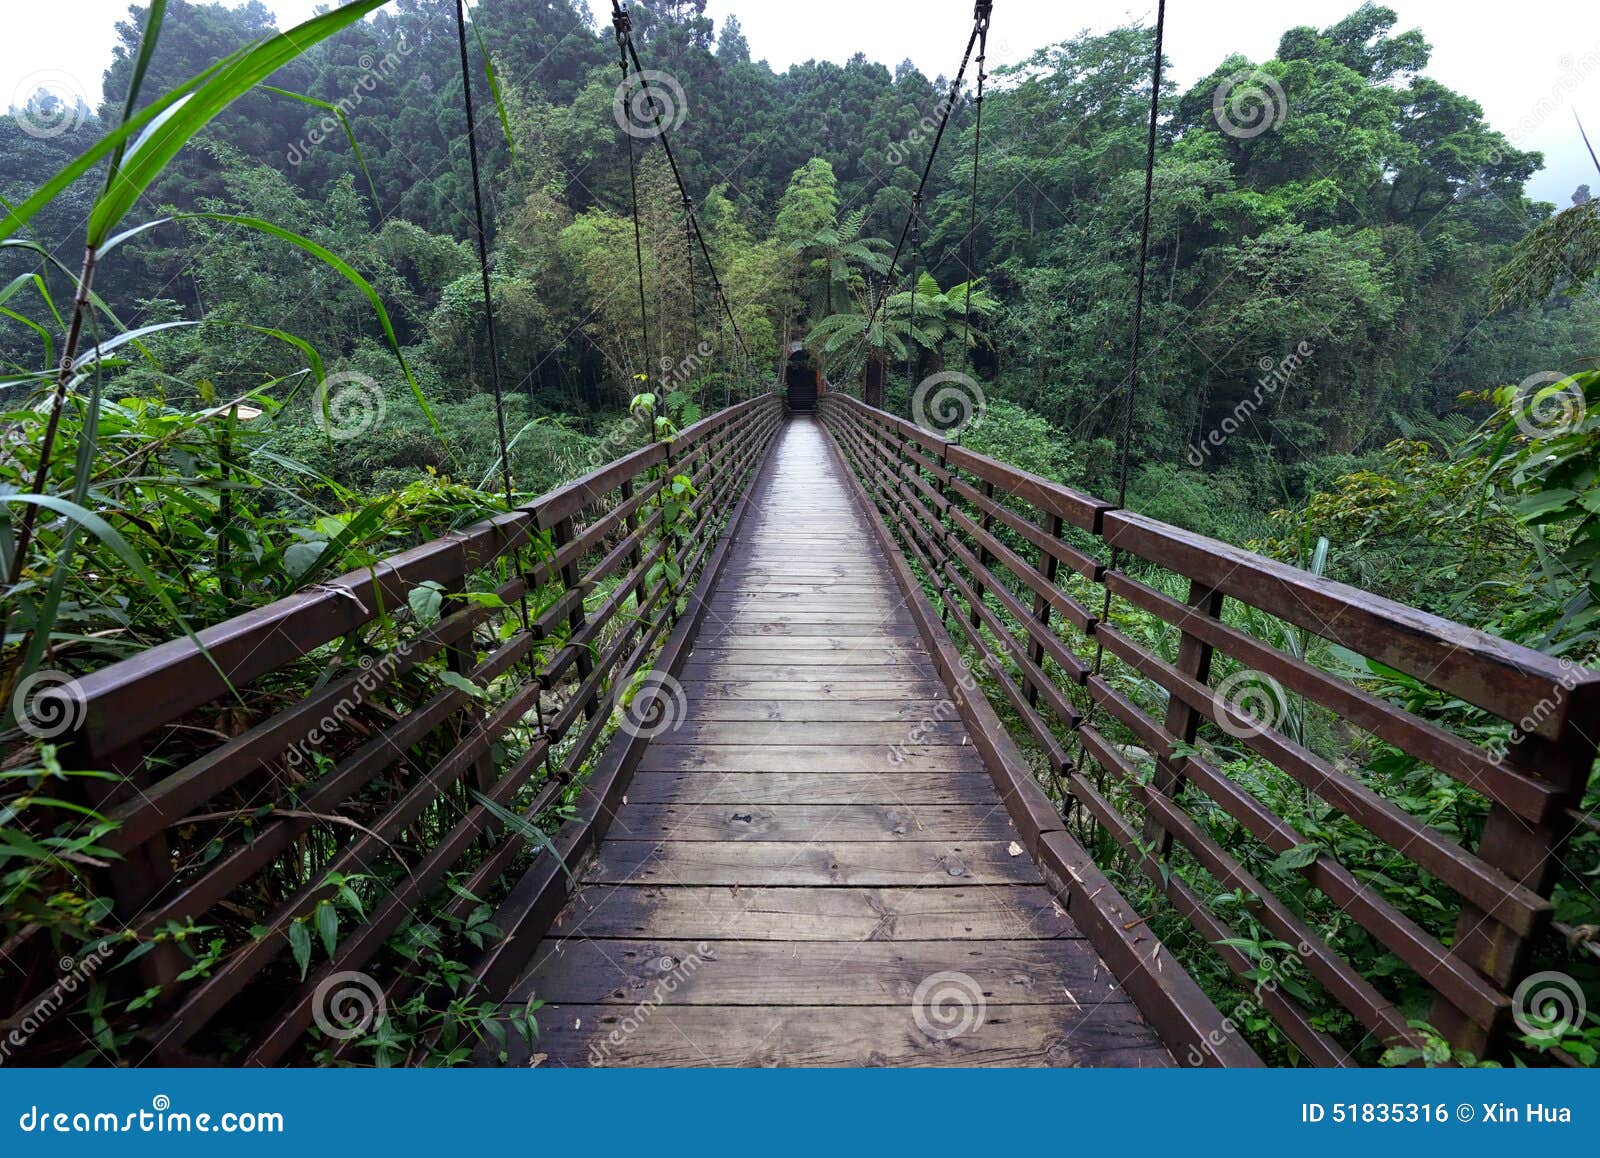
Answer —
810 689
809 758
827 823
809 645
827 616
771 673
996 912
797 711
920 864
865 655
833 973
812 788
715 629
1028 1035
851 733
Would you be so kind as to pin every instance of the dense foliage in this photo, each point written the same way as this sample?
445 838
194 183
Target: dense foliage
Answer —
1358 323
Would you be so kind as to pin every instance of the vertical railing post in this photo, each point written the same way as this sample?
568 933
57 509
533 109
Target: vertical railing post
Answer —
136 880
946 533
674 550
985 559
461 657
1183 720
1530 854
561 535
631 524
1047 568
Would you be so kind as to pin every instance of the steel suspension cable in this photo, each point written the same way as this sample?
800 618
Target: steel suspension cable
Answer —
982 15
483 251
622 25
980 25
694 290
620 19
911 322
1138 319
483 269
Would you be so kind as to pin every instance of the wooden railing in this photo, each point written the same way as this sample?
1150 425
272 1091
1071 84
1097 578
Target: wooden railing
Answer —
348 746
1135 733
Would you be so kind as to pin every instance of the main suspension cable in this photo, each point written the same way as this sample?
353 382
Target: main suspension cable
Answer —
483 252
1138 323
622 24
620 19
488 293
982 15
980 26
1144 259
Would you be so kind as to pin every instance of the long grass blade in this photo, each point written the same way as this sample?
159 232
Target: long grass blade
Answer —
344 123
345 270
163 127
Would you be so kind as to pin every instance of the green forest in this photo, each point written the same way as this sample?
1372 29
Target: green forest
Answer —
1366 230
1367 351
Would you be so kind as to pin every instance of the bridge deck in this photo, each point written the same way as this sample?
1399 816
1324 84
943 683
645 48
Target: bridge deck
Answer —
778 888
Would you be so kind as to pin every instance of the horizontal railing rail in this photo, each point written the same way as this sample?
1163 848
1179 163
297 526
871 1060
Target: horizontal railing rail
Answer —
1140 721
289 790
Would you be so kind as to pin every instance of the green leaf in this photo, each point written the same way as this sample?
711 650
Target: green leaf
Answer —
521 826
328 926
169 122
425 600
300 945
461 683
198 104
108 535
299 558
1543 503
494 90
344 123
345 270
1297 857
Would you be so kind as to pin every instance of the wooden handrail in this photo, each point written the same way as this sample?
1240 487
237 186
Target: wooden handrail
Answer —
312 740
969 523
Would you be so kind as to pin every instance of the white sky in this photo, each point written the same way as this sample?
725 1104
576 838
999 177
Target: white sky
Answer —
1531 64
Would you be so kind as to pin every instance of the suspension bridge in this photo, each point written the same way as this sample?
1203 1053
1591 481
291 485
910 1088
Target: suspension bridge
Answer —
809 736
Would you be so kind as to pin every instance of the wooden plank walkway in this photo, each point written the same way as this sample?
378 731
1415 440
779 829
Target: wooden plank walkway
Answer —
776 890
